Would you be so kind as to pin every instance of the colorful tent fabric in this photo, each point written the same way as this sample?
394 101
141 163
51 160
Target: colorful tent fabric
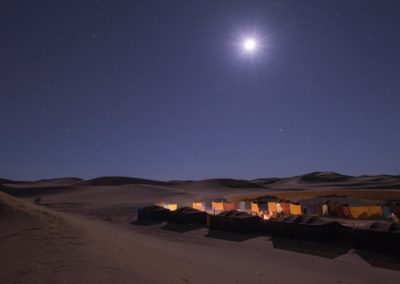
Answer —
295 209
199 206
228 206
254 207
359 212
286 207
272 207
217 205
375 211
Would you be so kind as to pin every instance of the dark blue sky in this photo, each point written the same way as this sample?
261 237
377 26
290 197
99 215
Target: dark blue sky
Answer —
158 89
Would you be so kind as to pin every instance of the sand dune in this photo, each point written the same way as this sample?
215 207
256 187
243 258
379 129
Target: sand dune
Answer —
115 181
42 246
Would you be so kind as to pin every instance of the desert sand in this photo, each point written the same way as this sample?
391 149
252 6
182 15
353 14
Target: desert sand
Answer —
81 233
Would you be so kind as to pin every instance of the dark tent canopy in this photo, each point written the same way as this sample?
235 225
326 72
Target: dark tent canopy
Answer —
379 236
187 215
153 212
236 221
305 228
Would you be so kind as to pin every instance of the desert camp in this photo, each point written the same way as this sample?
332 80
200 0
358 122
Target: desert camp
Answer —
355 222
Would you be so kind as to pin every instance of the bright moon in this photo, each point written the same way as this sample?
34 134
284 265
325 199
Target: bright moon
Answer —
249 45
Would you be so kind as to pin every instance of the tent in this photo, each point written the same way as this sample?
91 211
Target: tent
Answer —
385 212
344 211
379 236
228 206
305 228
254 207
263 206
271 206
295 209
318 208
217 205
187 215
333 208
153 212
359 212
285 206
199 206
236 221
375 211
169 206
244 205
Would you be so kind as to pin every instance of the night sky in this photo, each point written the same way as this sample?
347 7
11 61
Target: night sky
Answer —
164 89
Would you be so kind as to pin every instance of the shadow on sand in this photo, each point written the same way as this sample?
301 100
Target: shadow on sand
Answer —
147 222
231 236
181 228
326 250
380 260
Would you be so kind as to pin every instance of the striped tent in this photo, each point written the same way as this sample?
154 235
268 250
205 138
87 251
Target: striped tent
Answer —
295 209
217 205
199 206
228 206
254 207
271 207
375 211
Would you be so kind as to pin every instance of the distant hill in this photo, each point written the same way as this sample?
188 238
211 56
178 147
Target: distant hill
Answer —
6 181
117 180
324 177
312 180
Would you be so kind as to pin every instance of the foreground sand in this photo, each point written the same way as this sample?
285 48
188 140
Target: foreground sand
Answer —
40 245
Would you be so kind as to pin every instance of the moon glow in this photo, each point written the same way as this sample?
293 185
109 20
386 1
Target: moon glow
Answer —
249 45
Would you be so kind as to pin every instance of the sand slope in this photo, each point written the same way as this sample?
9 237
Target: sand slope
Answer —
42 246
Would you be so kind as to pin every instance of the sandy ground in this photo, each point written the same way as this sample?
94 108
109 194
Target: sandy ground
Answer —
83 234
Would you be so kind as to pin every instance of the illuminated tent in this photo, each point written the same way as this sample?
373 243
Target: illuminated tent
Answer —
169 206
199 206
228 206
254 207
271 206
217 205
285 206
153 212
187 215
235 221
375 212
359 212
295 209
